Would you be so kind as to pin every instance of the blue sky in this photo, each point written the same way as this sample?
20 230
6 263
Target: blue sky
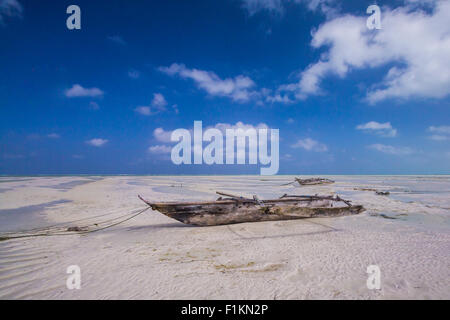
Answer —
104 99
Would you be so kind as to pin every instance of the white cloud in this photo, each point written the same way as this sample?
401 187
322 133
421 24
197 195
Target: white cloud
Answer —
117 40
161 135
159 149
146 111
10 9
238 88
391 149
53 136
278 6
421 2
326 6
254 6
272 98
238 125
417 41
79 91
134 74
440 129
158 105
97 142
382 129
437 137
158 100
441 133
310 145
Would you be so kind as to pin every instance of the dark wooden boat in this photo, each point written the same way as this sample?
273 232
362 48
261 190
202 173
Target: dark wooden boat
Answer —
238 209
310 181
313 181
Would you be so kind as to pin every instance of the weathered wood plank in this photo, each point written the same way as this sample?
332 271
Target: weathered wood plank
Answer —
252 210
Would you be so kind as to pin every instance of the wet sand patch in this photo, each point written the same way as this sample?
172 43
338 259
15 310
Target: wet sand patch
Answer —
25 217
66 186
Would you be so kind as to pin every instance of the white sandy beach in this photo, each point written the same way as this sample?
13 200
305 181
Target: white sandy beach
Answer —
155 257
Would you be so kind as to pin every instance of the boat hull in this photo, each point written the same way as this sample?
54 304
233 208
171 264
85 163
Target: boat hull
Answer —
230 212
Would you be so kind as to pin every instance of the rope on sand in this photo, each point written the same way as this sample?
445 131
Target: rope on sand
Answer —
61 230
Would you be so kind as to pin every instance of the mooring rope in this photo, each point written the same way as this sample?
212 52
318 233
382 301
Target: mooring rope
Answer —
55 230
69 222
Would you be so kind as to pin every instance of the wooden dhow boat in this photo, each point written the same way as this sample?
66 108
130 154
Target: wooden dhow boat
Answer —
235 209
310 181
313 181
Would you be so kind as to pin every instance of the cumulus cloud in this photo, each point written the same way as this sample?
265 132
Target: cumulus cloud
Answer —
146 111
278 6
382 129
238 89
416 41
10 9
97 142
440 129
161 135
310 145
441 133
157 105
391 149
78 91
159 100
276 97
238 125
254 6
438 137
